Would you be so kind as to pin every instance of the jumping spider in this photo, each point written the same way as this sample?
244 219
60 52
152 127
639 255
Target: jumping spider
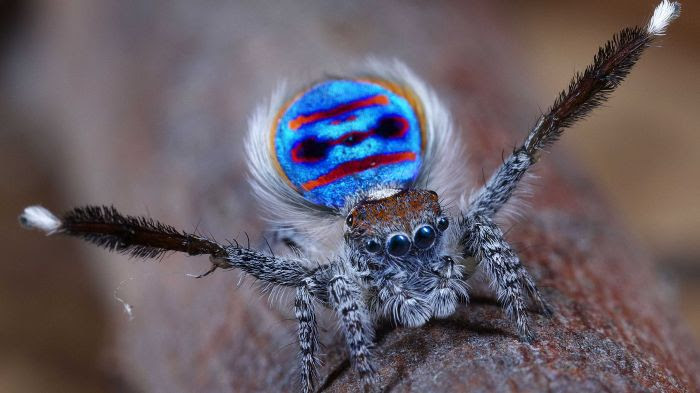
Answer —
357 157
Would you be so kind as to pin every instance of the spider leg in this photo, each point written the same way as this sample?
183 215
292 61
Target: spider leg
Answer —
147 238
484 240
140 237
587 90
398 300
308 337
346 299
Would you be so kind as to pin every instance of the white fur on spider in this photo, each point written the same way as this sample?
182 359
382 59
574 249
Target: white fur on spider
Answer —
382 193
664 14
38 217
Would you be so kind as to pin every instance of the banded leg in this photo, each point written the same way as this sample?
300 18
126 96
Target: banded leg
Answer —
448 287
398 300
485 240
144 237
346 299
587 90
308 337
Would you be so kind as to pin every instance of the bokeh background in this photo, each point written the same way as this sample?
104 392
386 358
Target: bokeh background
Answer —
132 102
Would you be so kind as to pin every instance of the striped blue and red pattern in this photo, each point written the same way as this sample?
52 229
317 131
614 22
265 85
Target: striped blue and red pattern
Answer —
344 136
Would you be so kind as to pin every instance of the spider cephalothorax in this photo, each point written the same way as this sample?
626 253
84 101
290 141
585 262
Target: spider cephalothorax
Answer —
354 158
396 223
399 235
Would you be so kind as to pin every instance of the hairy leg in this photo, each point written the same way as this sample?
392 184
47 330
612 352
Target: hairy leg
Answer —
346 299
147 238
484 240
308 337
586 91
144 237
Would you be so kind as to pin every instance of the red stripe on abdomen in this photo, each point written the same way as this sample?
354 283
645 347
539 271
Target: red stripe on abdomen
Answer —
351 167
339 110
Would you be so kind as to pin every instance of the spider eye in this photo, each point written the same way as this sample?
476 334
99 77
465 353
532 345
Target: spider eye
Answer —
349 220
443 223
424 237
398 245
373 246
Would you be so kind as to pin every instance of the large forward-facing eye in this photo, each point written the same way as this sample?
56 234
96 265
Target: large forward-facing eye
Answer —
398 245
424 236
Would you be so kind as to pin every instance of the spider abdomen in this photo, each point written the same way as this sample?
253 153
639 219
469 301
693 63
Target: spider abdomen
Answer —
344 136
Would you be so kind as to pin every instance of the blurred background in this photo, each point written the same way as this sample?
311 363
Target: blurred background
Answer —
143 104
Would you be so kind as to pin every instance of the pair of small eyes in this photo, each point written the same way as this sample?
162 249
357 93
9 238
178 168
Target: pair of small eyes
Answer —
399 244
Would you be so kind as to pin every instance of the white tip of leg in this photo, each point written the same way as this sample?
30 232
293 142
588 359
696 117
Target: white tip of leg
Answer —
664 14
37 217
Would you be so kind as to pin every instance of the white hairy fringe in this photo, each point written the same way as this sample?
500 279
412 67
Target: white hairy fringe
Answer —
664 14
442 169
38 217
